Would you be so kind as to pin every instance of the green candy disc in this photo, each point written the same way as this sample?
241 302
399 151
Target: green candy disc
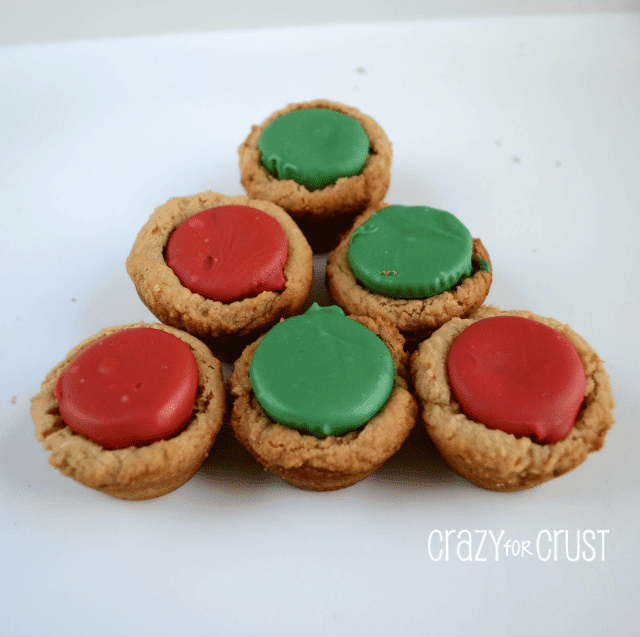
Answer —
410 252
314 147
321 372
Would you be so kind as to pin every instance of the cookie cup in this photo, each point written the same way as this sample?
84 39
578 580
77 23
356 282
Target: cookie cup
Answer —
324 214
491 458
233 324
334 462
414 318
134 473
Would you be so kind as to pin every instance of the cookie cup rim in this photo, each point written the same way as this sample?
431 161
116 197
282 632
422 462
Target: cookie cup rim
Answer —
491 458
349 195
334 462
414 318
134 473
174 304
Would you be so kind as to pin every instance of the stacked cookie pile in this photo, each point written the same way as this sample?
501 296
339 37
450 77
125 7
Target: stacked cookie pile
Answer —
325 397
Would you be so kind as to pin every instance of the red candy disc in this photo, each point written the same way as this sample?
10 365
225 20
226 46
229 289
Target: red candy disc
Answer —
130 388
229 253
517 375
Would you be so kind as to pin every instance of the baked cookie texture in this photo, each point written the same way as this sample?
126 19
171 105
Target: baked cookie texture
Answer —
235 323
334 462
325 214
134 473
491 458
414 318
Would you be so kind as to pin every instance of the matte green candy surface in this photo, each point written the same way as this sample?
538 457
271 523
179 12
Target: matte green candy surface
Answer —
314 147
321 372
410 252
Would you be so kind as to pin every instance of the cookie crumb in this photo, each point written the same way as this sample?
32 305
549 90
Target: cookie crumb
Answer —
14 399
360 70
388 272
516 159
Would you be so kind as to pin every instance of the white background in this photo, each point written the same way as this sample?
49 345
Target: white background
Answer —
527 127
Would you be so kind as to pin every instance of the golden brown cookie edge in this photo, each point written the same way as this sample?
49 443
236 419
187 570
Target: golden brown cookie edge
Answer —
333 462
220 323
414 318
134 473
325 214
491 458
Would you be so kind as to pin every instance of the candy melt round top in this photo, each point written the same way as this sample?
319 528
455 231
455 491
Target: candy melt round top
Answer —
410 252
321 372
133 387
518 375
314 147
229 253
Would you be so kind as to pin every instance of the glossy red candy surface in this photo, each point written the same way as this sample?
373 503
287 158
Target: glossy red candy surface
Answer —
229 253
130 388
517 375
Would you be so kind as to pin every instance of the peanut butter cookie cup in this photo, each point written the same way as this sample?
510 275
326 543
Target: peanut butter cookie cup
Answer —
337 433
109 392
213 287
322 161
413 266
539 394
